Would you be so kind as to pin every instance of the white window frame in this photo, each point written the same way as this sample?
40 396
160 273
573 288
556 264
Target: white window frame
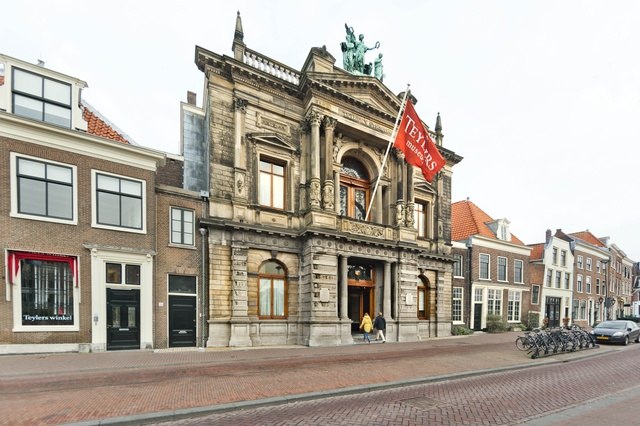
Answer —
94 203
459 259
579 262
579 283
488 263
182 223
589 267
514 306
13 168
264 176
494 301
588 284
457 302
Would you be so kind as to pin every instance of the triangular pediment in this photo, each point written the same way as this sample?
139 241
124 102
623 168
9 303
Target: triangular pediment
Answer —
361 89
424 187
272 139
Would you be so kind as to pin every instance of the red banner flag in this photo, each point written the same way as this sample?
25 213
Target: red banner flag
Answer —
418 147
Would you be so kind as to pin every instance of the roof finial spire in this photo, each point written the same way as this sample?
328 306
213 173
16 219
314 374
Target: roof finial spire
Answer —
238 45
438 124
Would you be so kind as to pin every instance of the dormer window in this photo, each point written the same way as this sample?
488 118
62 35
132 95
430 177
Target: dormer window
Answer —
41 98
500 228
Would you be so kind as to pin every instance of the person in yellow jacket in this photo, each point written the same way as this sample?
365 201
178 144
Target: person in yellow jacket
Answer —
366 326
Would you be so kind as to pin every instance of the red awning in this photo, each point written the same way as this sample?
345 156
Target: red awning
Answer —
15 257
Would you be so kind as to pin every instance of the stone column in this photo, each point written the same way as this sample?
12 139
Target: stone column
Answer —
377 202
386 297
410 197
344 288
336 185
401 176
240 149
328 197
239 299
314 193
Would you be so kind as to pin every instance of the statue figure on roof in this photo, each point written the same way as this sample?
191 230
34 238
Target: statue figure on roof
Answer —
361 49
348 49
353 51
377 68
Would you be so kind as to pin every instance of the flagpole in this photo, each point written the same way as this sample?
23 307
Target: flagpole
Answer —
384 160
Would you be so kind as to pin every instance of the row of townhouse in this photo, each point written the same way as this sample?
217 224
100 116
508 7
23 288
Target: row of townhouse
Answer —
570 278
283 221
98 235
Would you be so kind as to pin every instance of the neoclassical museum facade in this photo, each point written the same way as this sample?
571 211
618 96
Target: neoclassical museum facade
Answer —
300 246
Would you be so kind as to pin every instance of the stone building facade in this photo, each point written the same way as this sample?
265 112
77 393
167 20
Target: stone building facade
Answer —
300 245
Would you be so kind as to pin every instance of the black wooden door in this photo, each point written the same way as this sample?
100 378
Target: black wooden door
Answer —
123 319
182 321
477 316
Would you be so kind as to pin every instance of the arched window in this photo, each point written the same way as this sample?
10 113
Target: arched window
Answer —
354 189
272 291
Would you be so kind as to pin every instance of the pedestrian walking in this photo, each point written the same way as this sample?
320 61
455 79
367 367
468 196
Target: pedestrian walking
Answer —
366 327
381 325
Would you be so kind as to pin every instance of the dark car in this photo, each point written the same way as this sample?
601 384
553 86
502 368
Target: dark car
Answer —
616 331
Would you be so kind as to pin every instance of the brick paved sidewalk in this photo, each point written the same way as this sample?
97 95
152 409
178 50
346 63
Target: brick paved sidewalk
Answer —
138 385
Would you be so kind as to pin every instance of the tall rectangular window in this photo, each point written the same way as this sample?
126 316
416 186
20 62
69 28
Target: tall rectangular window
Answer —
45 189
41 98
457 265
567 280
456 304
549 278
535 294
558 278
420 219
272 184
579 262
588 263
555 256
588 282
563 258
118 201
518 266
494 302
579 283
502 268
182 226
484 266
513 308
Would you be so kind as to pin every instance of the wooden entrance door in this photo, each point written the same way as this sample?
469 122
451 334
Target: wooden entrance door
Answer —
360 302
123 319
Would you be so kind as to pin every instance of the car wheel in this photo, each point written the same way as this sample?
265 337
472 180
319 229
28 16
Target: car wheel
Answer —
638 338
626 340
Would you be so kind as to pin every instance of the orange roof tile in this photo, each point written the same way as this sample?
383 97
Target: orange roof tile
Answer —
588 237
537 251
96 126
1 80
467 219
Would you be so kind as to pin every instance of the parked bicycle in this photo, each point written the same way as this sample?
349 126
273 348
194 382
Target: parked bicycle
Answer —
555 340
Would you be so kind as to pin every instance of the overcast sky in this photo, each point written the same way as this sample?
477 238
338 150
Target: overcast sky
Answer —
541 98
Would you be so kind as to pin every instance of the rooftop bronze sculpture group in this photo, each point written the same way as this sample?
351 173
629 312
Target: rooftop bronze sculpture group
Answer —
353 52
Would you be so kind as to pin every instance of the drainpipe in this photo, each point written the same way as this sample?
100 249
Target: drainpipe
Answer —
468 303
203 288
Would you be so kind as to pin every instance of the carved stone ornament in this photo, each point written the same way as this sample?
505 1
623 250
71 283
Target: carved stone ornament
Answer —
328 196
409 215
329 123
337 144
314 118
400 214
363 229
239 184
240 105
314 193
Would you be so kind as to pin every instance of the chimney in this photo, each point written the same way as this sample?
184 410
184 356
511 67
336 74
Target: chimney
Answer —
191 98
548 236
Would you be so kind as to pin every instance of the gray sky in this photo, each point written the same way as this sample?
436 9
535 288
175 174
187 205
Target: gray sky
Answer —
541 98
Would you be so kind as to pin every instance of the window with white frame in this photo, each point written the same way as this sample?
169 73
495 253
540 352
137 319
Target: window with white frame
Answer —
567 280
494 301
513 307
119 201
456 304
41 98
563 257
598 266
122 273
575 309
583 310
477 295
457 265
502 268
555 256
588 263
182 226
597 285
588 284
272 183
558 278
518 266
549 277
579 261
44 189
579 283
484 266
